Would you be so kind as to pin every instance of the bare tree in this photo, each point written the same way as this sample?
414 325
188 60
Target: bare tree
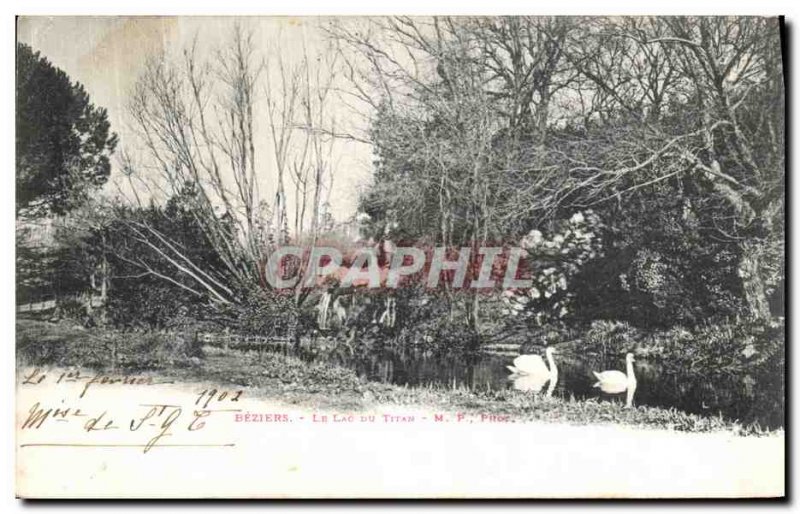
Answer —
282 98
196 121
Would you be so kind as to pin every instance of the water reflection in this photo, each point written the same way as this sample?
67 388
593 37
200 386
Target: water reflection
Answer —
746 398
531 383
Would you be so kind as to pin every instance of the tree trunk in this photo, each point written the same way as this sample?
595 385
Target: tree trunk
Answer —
753 283
474 315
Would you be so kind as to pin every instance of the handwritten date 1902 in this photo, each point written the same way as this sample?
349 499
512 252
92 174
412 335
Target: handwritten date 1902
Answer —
209 395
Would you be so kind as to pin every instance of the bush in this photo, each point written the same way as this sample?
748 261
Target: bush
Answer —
742 361
264 313
145 305
612 337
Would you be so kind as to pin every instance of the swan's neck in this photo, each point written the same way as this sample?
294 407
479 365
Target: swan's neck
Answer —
551 362
552 386
631 376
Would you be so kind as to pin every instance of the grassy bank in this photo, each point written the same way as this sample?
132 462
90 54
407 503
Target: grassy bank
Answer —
293 381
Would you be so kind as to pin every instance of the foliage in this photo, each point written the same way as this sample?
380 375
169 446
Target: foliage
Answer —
265 313
63 146
139 294
63 141
553 261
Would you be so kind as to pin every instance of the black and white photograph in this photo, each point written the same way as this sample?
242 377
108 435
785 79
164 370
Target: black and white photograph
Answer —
400 257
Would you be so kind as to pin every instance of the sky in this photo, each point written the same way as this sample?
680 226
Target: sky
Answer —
107 55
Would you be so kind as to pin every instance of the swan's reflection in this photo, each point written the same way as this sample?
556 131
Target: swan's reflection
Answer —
532 383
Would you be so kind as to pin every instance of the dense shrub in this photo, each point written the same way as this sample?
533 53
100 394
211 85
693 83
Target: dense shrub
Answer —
148 304
722 347
612 337
266 313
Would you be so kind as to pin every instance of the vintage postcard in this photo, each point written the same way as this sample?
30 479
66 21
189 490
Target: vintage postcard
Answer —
400 257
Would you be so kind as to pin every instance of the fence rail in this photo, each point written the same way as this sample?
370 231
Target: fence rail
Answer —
36 306
232 340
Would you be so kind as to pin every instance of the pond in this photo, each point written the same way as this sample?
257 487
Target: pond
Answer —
745 398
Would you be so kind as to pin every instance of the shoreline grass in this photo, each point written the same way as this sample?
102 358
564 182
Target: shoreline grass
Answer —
292 381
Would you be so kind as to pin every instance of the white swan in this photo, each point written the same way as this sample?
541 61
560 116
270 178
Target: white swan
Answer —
534 364
614 382
531 373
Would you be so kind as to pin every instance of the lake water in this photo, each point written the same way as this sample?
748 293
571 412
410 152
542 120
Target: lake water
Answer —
740 398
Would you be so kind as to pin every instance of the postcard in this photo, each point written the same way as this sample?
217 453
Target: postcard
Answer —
400 257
